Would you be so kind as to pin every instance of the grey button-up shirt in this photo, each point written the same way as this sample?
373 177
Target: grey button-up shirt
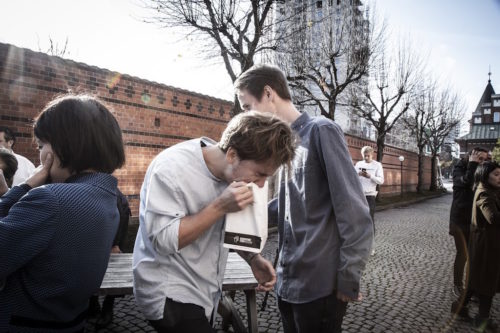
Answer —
325 229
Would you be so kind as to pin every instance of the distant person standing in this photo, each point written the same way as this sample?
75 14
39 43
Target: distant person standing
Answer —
461 210
24 166
370 174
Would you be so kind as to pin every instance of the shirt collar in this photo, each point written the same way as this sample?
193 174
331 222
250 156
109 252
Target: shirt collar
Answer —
300 121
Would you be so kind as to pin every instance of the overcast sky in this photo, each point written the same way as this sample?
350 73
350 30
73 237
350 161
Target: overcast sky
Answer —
461 39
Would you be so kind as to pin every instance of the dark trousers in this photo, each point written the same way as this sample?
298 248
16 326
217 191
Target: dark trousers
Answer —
461 244
322 315
371 204
182 318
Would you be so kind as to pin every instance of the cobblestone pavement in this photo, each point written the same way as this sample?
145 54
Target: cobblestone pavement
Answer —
406 286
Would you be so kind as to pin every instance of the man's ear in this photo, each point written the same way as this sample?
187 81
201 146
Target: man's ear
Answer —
268 92
231 155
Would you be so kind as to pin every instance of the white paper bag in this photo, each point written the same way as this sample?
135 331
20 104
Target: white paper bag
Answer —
246 230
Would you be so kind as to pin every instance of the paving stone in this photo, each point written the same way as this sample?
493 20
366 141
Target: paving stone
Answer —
407 284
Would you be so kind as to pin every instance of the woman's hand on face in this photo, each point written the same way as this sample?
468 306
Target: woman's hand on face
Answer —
3 184
41 173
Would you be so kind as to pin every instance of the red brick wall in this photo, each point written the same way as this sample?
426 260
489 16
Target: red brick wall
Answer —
152 116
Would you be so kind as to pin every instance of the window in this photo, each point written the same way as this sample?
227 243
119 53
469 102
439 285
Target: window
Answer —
487 111
496 102
496 117
477 120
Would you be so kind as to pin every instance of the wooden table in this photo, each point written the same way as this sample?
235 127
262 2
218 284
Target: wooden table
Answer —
118 280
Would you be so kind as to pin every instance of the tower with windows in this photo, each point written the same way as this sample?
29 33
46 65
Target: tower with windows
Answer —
484 128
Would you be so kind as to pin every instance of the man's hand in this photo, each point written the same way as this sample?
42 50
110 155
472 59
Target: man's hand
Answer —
364 174
116 249
3 184
264 273
475 156
235 197
344 298
41 173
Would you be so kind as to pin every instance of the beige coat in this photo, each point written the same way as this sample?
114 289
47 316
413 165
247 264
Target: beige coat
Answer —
485 242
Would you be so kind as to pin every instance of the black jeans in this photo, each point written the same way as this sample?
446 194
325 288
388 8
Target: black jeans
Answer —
371 204
322 315
461 244
182 318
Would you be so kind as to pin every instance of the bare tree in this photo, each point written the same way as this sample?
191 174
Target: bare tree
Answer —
234 30
393 76
446 114
55 49
417 121
332 53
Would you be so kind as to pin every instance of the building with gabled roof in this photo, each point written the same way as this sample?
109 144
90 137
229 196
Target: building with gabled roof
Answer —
484 124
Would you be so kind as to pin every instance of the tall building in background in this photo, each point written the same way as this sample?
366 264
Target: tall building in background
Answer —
485 122
309 33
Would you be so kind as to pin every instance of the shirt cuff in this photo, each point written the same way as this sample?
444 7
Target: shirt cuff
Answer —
25 187
348 288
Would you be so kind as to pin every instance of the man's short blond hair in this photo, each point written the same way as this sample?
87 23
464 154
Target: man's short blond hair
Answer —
366 149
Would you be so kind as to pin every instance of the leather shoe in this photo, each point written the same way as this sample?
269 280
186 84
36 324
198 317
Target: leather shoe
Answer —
461 311
104 319
484 324
94 307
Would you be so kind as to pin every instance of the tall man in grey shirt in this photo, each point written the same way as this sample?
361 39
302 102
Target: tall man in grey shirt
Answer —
179 259
325 229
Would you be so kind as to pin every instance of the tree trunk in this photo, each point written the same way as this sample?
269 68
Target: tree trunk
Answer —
433 186
420 182
380 147
236 107
331 109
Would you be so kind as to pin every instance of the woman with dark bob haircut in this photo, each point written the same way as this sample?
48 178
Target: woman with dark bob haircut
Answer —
484 245
57 228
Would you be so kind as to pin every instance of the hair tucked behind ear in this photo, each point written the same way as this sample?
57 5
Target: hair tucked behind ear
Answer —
82 132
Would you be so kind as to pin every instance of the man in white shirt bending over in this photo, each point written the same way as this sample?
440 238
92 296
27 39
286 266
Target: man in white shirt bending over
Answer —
371 174
24 166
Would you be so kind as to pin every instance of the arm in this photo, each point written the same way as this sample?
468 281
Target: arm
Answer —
234 198
168 224
351 210
121 233
378 177
487 204
262 269
463 172
3 184
27 229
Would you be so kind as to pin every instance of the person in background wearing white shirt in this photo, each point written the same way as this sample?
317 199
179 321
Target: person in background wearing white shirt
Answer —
24 166
371 174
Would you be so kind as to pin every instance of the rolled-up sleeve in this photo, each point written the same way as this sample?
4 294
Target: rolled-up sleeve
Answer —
351 210
163 213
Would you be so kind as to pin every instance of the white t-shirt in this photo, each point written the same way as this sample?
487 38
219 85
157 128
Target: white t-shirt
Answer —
374 169
24 169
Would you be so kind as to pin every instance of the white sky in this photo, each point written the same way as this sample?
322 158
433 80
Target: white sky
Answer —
460 37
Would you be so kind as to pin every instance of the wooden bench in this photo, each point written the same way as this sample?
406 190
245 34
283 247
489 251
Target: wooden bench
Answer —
118 280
